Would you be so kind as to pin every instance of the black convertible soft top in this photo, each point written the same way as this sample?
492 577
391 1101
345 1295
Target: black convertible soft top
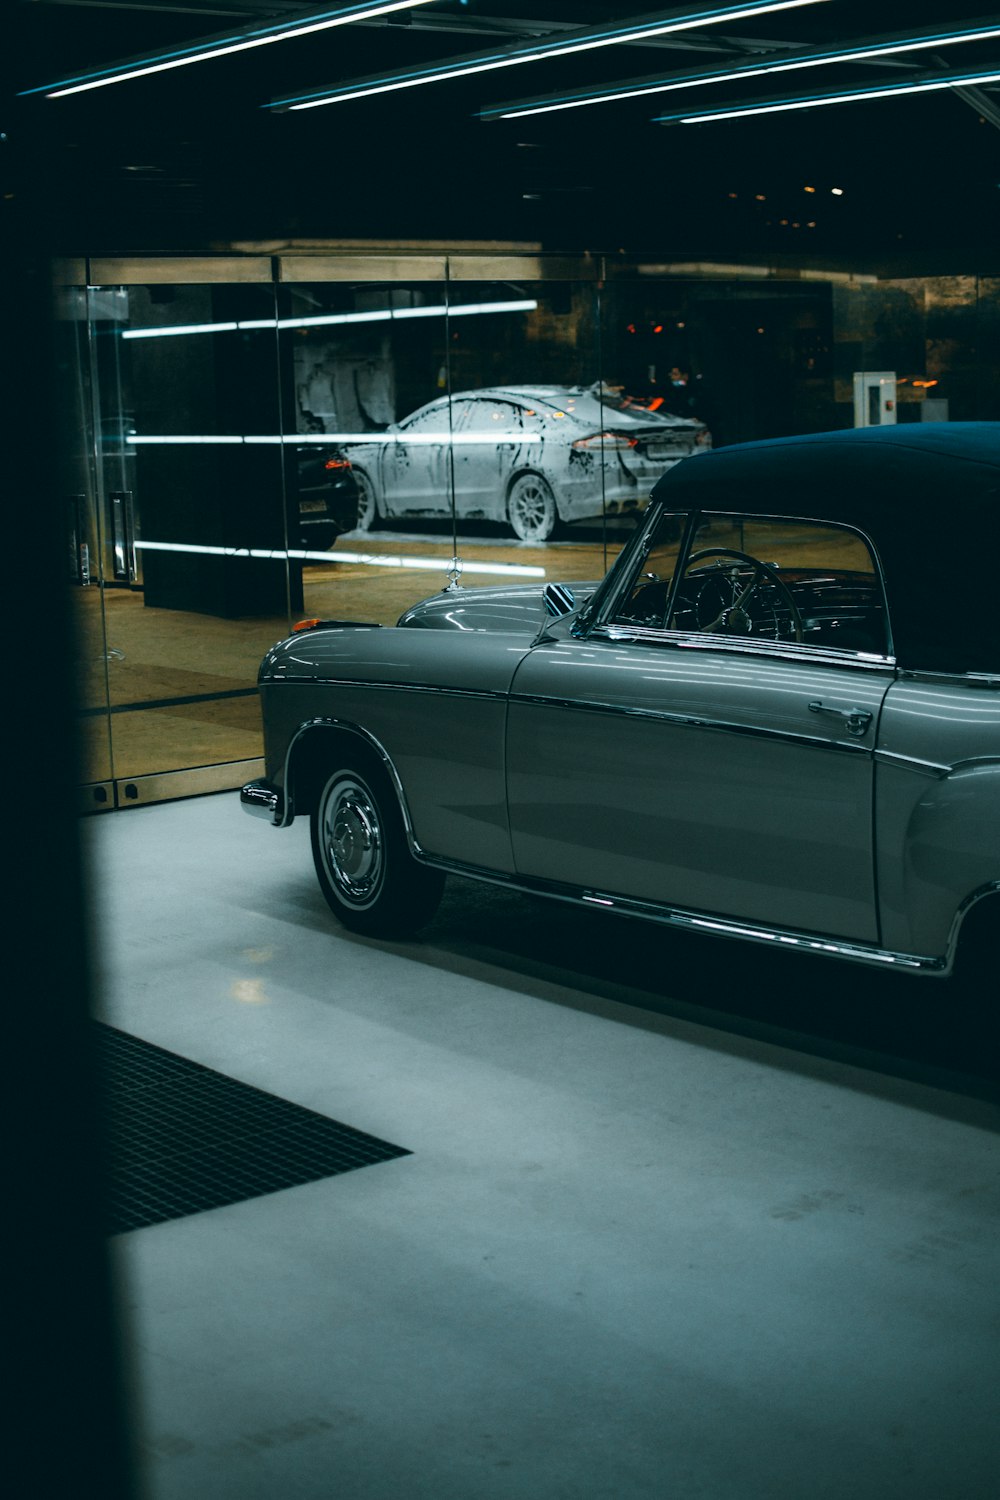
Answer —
926 494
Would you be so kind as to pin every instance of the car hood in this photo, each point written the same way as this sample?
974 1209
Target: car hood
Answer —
512 609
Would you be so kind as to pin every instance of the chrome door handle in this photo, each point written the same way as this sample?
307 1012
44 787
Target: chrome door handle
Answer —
857 720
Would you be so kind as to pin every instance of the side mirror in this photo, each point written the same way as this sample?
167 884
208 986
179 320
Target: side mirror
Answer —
559 600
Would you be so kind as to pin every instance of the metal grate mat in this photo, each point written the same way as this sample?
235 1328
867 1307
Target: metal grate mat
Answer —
182 1139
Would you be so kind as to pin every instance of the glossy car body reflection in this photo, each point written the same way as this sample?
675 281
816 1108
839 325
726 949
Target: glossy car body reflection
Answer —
777 717
531 456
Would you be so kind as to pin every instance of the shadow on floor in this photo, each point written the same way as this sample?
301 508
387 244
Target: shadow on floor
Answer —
895 1025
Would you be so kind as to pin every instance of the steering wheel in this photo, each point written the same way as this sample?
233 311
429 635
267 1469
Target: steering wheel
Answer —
734 616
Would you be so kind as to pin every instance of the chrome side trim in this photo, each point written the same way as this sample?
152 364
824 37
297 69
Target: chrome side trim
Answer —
981 680
344 726
911 763
392 687
690 721
937 769
676 916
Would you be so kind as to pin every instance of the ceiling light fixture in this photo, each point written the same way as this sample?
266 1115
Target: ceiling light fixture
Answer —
512 56
887 46
223 43
923 85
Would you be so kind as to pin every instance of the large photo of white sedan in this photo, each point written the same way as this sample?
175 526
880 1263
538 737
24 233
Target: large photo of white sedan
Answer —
531 457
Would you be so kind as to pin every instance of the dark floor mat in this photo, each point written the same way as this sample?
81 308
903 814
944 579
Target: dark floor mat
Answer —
182 1138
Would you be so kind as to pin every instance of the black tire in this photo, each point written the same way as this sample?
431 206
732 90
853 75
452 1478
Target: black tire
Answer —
371 882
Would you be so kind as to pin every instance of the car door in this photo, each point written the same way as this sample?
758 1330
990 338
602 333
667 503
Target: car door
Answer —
488 435
415 465
715 770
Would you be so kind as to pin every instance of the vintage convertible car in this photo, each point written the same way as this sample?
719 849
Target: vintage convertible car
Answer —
777 717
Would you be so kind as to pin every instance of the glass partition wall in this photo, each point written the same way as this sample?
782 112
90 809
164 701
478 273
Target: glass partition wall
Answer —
250 441
263 440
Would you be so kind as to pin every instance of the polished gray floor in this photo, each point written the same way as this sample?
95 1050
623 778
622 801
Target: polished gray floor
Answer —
641 1249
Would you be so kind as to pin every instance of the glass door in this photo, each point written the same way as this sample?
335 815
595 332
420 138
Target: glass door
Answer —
192 529
84 529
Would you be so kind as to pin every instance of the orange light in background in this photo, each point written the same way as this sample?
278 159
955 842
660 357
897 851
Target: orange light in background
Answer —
655 404
657 327
337 463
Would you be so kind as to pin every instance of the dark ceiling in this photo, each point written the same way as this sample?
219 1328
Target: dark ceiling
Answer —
192 158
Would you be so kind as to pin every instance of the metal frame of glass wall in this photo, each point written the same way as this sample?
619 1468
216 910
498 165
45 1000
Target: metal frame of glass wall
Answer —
249 440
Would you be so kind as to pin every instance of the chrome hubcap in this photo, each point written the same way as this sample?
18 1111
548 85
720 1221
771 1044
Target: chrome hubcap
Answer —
353 840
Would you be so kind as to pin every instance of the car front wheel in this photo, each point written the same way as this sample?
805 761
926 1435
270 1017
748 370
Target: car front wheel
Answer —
531 508
370 880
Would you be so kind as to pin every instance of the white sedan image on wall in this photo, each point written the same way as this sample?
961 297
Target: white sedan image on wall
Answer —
530 456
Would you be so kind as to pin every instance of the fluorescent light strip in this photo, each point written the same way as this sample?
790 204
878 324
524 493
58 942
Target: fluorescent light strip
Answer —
383 315
363 559
222 44
818 101
639 89
339 439
512 57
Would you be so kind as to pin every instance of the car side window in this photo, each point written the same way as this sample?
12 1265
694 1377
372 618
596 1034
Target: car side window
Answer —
778 579
646 601
431 419
501 418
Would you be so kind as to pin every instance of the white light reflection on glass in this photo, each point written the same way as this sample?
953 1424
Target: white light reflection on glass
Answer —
365 559
325 320
327 439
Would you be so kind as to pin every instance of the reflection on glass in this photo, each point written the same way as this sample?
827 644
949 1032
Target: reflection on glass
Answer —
74 395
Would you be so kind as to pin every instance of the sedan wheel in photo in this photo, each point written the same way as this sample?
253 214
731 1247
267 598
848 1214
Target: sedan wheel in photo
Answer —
531 508
366 872
367 509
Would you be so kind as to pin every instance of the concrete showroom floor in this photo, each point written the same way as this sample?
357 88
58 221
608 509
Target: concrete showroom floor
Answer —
681 1218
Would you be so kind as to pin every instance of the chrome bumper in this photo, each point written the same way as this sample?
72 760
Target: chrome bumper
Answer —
263 800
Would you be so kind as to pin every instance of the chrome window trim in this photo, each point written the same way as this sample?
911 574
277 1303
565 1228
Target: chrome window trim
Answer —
689 721
708 922
790 651
600 621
